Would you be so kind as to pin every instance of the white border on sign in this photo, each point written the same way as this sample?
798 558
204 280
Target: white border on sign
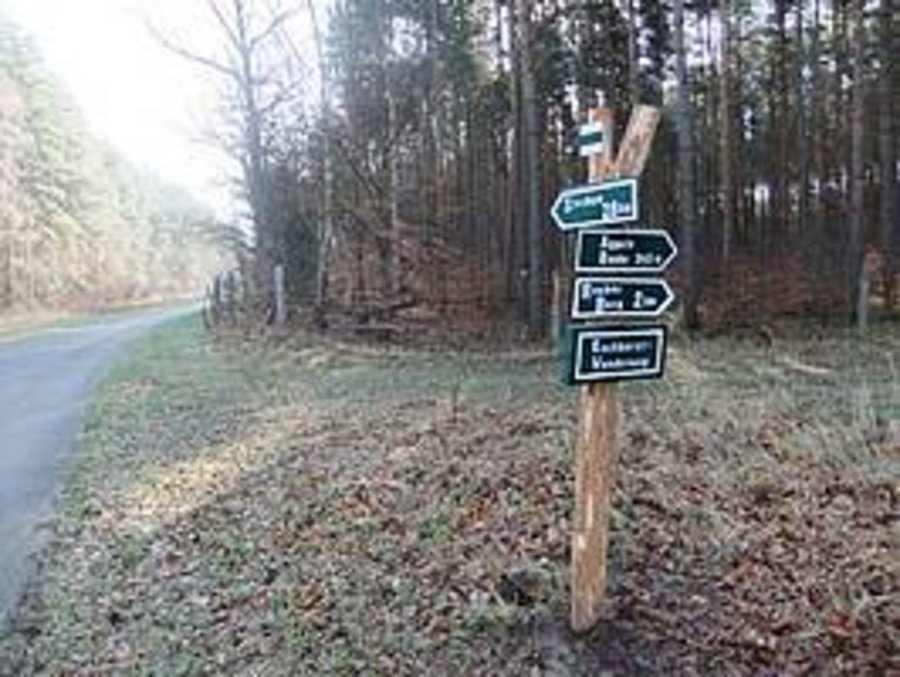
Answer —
599 315
590 188
658 332
600 270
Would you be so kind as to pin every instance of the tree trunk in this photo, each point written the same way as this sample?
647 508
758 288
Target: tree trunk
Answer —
634 93
726 152
387 169
856 223
686 197
802 127
816 121
887 151
255 163
778 132
326 227
431 125
515 259
738 133
388 265
535 315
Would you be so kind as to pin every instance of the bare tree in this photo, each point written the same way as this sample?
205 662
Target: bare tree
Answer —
532 138
252 66
326 228
888 149
856 251
685 131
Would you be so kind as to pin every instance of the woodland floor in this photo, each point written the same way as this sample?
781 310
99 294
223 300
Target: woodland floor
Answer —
326 508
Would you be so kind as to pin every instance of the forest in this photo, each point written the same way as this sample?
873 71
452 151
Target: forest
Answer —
80 225
371 464
408 173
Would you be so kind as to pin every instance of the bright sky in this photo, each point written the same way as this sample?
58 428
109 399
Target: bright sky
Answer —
149 103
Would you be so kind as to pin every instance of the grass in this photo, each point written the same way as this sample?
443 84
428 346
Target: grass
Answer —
16 326
322 508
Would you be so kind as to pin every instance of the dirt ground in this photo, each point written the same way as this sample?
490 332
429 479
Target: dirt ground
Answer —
315 507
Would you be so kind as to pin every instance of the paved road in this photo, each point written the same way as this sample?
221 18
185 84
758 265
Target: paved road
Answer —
45 381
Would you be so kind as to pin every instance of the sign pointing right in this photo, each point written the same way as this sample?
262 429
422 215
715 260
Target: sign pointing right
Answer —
597 298
624 251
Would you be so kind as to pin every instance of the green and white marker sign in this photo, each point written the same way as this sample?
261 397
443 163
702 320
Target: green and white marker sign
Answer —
603 204
591 139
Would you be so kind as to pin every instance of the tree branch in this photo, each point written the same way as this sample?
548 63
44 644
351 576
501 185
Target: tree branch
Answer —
199 59
273 26
223 22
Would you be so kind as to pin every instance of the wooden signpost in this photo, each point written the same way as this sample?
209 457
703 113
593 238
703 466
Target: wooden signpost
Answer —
603 355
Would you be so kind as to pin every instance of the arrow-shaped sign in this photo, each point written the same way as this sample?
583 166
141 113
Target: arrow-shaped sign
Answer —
603 204
617 353
602 297
624 251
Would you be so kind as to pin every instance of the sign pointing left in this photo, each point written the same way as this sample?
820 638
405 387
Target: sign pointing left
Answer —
603 204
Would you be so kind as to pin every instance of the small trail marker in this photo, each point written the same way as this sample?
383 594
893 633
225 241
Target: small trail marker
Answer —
624 251
597 298
591 139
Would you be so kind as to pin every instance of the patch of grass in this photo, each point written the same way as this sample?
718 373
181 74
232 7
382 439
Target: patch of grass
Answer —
333 508
18 325
412 375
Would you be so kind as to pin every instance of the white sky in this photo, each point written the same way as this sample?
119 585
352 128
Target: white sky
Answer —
147 102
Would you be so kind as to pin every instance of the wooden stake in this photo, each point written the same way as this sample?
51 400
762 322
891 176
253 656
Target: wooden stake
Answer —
278 285
557 303
635 147
595 456
595 465
597 444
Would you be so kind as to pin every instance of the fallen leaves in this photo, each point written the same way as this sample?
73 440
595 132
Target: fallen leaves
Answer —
327 519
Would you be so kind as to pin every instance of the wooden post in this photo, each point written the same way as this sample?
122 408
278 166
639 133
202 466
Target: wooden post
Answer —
635 147
595 455
597 443
278 285
557 307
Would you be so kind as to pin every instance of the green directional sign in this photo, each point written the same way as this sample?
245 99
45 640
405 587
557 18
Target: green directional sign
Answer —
602 297
603 204
615 353
624 250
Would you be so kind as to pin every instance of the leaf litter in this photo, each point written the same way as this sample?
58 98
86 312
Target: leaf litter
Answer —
319 509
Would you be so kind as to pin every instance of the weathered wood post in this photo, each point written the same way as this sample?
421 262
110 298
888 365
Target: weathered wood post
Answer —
597 441
595 453
278 287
